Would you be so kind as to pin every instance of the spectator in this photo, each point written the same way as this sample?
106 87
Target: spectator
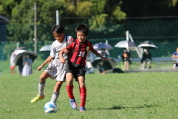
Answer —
146 59
27 66
175 58
126 58
101 69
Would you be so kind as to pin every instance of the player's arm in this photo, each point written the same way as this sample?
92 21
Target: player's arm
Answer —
65 50
97 54
62 51
44 63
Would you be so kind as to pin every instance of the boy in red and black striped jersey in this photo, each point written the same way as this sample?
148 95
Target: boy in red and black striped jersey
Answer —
76 65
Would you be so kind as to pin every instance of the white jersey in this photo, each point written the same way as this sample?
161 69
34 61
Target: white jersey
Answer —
56 69
57 46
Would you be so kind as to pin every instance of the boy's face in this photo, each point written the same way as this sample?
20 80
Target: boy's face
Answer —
59 36
81 36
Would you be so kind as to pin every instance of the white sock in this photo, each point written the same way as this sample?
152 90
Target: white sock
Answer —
41 86
55 96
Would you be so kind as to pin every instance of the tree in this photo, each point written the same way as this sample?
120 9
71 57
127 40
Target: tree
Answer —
148 8
7 6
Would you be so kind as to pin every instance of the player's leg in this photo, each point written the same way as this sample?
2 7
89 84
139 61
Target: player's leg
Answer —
82 88
41 86
83 91
56 91
69 79
69 88
42 82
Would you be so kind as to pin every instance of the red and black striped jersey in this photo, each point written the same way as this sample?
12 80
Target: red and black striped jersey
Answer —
79 52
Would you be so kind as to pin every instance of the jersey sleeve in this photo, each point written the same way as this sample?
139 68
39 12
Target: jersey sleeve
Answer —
70 46
53 51
70 39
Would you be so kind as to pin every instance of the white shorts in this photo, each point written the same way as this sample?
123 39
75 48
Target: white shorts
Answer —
56 71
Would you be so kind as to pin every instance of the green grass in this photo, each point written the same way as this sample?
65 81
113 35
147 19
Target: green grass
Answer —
109 96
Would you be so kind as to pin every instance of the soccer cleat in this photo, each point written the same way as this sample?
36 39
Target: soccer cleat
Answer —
38 97
82 109
73 104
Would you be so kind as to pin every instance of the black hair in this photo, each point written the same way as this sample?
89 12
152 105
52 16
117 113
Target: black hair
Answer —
57 29
83 28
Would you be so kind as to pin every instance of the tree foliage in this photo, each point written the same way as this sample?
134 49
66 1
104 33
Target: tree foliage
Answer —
96 12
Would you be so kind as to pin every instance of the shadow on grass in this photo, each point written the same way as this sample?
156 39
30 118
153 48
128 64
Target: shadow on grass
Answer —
116 107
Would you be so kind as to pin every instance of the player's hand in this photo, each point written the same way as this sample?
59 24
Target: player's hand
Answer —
39 68
62 60
65 50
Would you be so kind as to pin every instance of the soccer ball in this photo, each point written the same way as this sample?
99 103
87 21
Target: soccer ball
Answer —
50 107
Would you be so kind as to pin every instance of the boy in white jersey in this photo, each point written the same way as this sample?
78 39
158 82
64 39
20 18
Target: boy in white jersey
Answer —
55 70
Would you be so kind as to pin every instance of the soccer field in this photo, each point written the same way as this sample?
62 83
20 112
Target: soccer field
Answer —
109 96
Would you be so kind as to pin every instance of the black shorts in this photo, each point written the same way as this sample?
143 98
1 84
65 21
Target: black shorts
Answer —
75 70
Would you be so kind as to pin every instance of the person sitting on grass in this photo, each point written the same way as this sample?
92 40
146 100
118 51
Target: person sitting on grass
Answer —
76 64
101 69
